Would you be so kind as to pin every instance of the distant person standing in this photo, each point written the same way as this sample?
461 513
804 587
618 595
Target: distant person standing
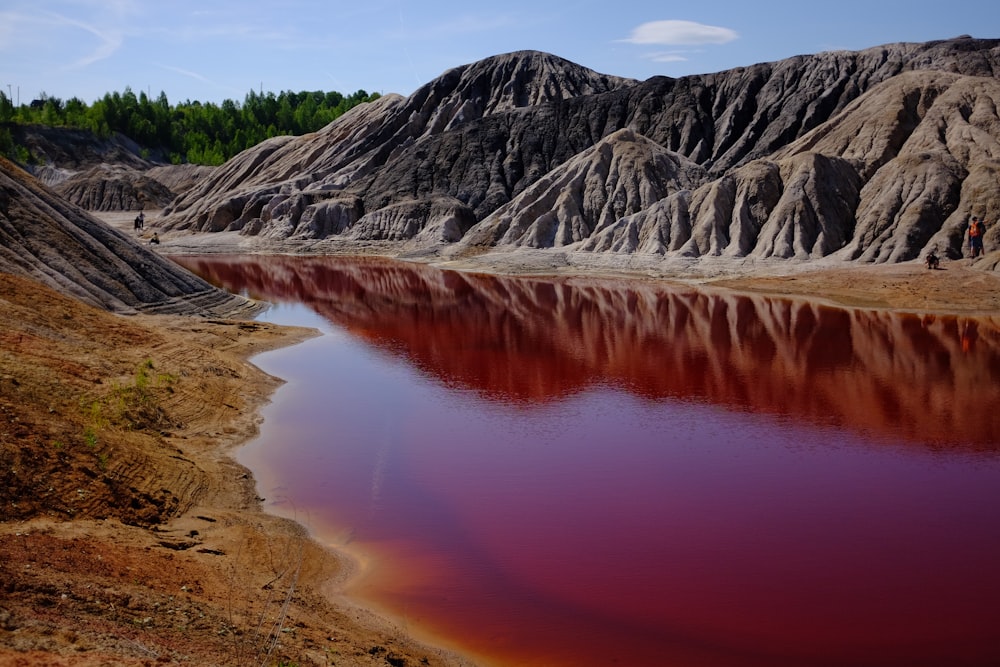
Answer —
976 230
932 260
142 220
982 236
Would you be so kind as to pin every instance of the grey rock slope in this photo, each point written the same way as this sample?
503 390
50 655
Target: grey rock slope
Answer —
114 188
75 149
900 170
623 174
50 240
102 173
319 166
873 156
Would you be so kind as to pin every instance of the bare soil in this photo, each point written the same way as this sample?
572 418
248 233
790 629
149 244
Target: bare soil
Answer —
958 287
128 535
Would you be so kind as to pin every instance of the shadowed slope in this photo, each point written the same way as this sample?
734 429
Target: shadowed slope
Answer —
45 238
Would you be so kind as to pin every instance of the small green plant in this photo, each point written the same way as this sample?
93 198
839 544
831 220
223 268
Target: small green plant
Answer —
57 444
142 376
135 405
95 414
130 405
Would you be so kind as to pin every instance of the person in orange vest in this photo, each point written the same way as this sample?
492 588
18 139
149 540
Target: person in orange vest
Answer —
976 230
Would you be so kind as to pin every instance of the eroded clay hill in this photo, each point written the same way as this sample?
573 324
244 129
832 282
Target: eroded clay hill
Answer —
102 173
49 240
874 156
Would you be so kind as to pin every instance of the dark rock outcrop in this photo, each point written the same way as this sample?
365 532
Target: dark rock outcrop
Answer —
622 175
363 141
898 171
872 156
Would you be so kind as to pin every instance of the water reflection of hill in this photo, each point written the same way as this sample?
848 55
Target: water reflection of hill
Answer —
930 379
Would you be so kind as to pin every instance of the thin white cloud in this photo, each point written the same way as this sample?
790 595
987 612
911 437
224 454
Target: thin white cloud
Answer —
186 72
666 57
680 33
109 41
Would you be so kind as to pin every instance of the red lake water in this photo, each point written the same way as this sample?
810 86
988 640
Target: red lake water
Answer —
596 472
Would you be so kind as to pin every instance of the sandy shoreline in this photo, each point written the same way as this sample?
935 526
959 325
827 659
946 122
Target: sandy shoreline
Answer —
128 533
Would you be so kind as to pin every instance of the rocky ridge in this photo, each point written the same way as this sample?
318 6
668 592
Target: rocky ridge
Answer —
102 174
114 188
873 156
47 239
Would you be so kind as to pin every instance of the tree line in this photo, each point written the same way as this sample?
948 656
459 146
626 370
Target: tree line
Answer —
194 132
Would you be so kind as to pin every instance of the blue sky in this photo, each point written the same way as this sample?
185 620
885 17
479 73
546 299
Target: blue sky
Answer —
210 50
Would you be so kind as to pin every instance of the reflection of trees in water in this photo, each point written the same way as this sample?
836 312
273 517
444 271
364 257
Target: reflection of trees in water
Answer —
925 378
